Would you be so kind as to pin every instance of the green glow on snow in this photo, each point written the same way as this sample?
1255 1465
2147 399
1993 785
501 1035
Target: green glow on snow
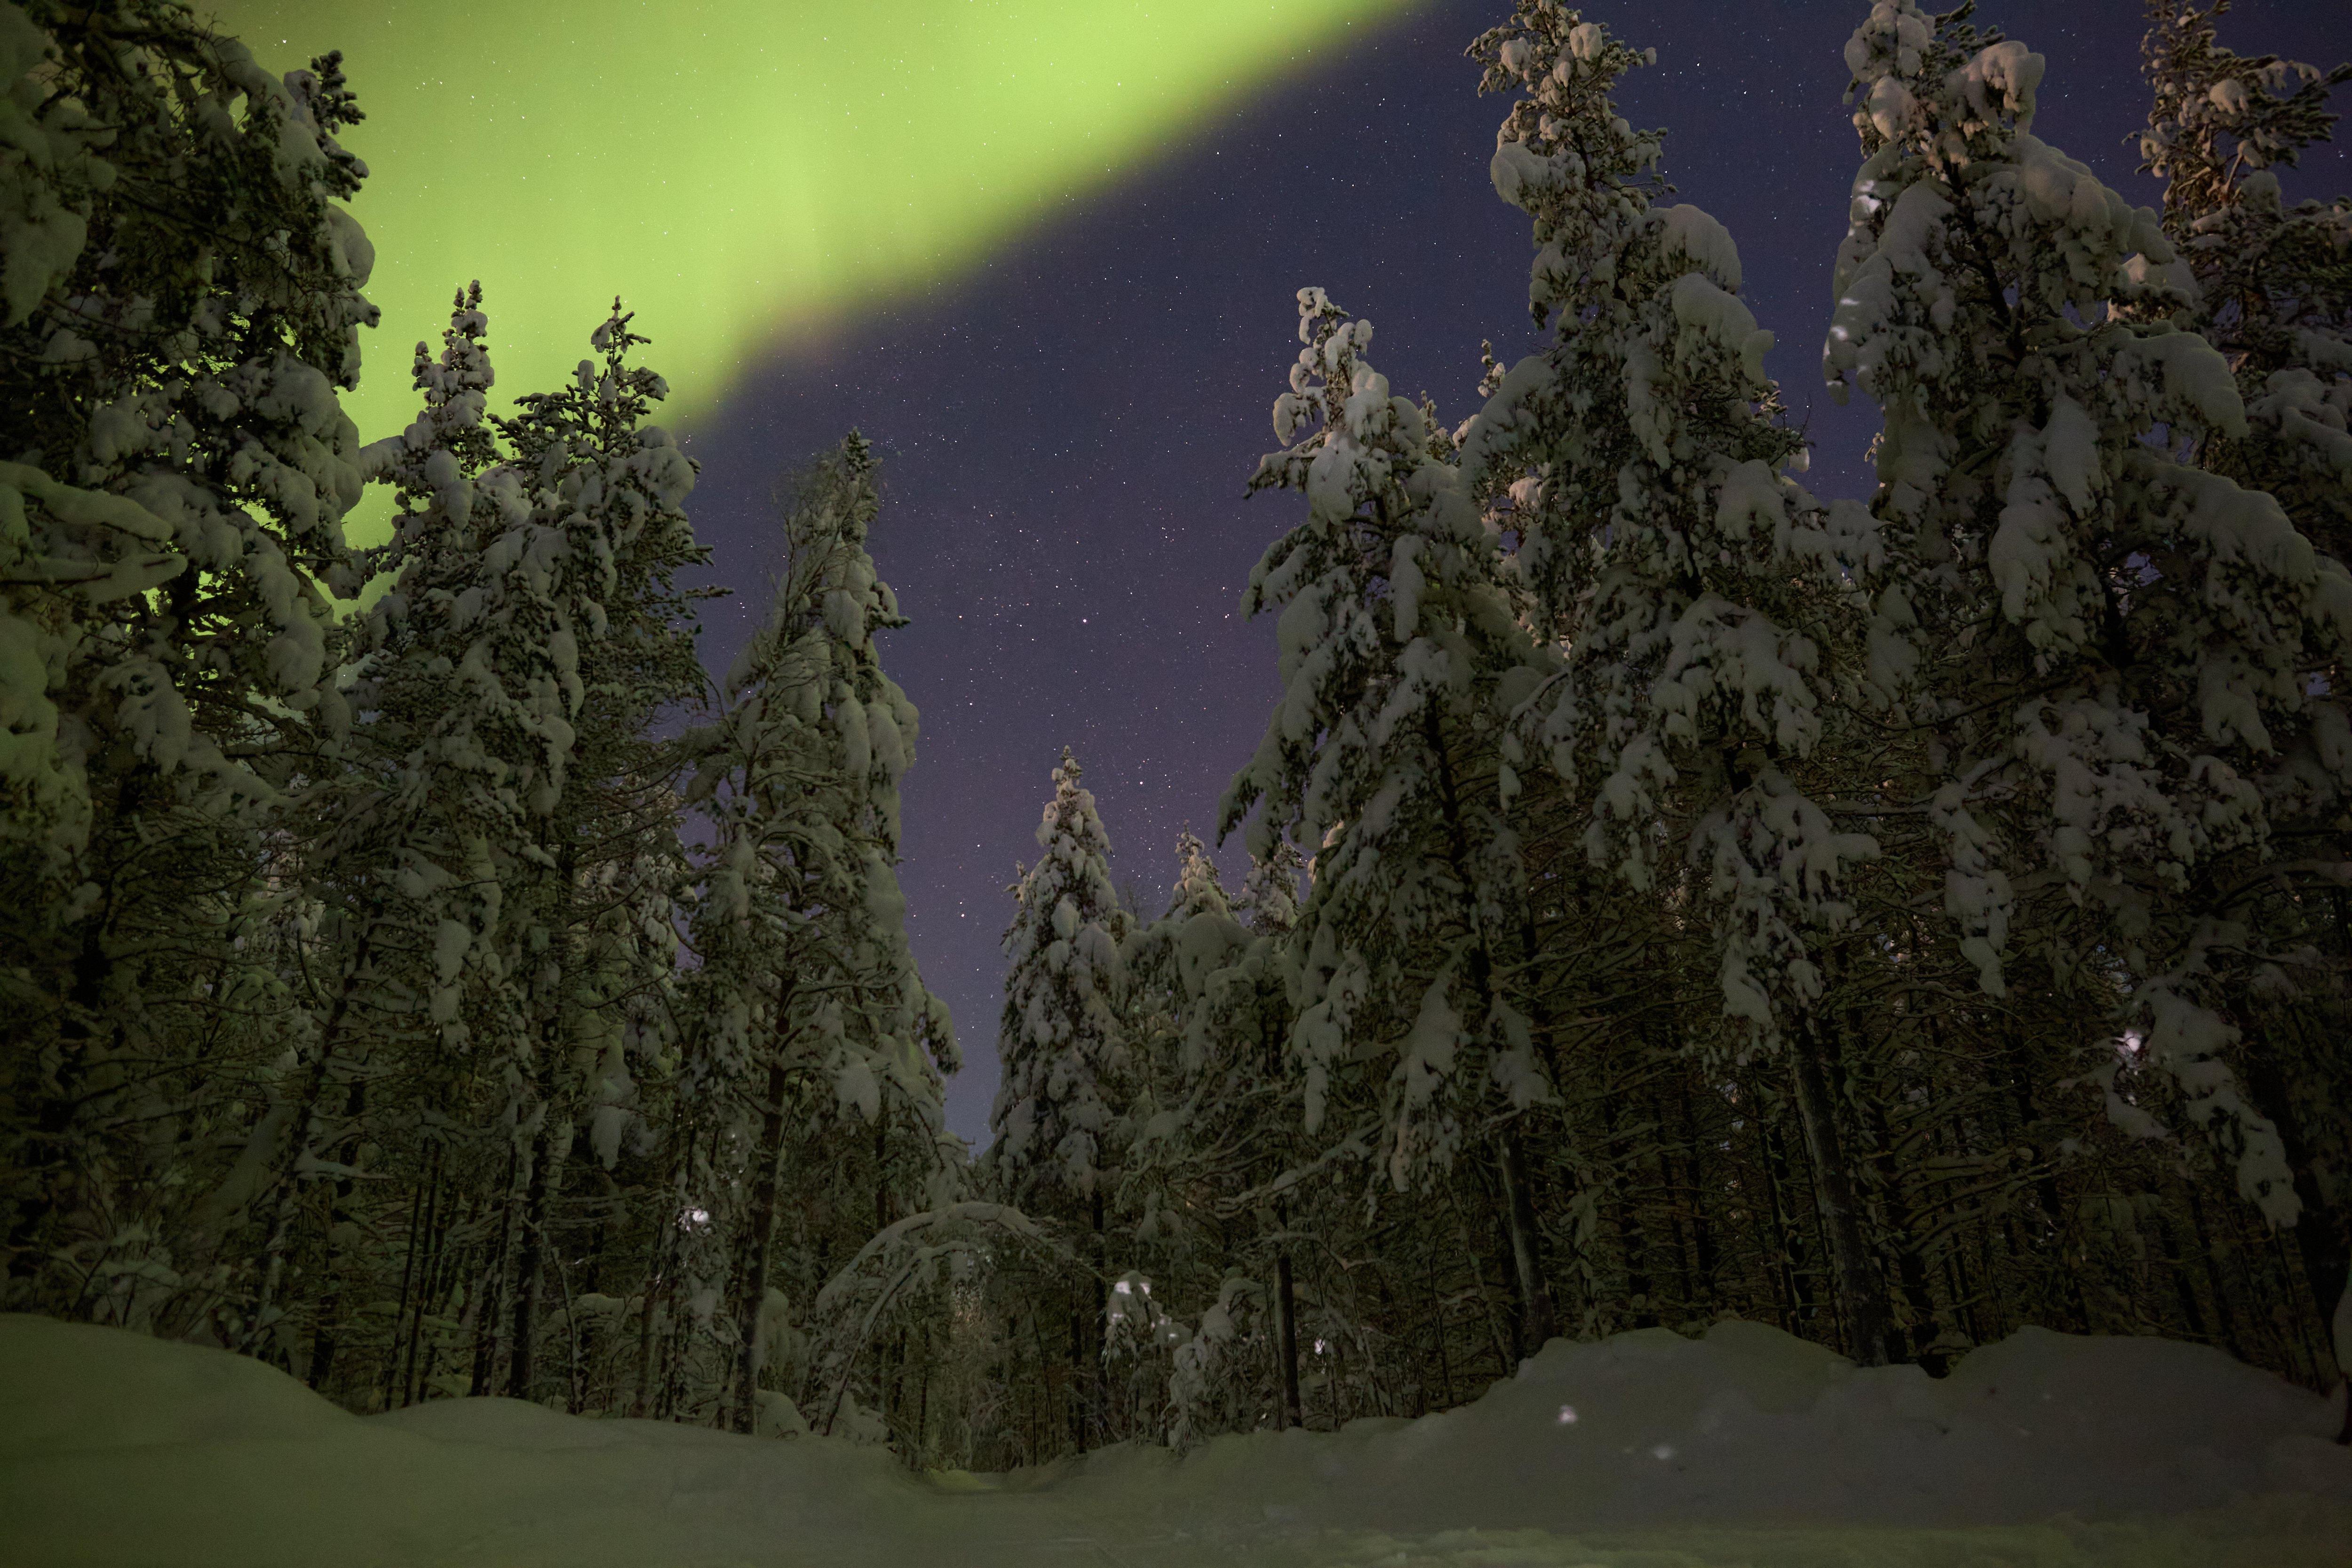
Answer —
738 170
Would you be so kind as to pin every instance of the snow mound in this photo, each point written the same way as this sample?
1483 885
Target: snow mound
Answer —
69 1388
1744 1448
1750 1426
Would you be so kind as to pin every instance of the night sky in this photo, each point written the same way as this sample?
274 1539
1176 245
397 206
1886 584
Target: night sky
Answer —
1066 429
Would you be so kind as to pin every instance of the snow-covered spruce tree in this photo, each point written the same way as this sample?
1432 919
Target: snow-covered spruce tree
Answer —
2274 296
590 639
2274 278
1167 962
1698 594
1269 896
1211 1121
810 1006
1061 1121
1168 959
423 799
2100 645
387 886
1401 657
1058 1121
406 853
1241 1155
179 300
535 633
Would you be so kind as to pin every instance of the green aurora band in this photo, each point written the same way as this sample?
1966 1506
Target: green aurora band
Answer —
739 172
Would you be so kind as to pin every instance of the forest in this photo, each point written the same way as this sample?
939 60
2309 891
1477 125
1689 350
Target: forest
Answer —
1673 897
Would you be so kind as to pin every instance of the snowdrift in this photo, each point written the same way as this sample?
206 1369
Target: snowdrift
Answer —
1744 1448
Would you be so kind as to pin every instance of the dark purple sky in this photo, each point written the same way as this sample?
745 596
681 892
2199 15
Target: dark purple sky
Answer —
1066 429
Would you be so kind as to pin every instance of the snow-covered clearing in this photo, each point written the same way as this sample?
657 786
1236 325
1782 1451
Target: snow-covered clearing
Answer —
1746 1448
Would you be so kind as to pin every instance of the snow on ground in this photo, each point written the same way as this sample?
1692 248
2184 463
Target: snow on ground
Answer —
1647 1450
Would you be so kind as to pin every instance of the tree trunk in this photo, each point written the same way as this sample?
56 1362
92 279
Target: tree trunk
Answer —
328 1339
672 1191
530 1262
1786 1243
1495 1325
1077 1383
1097 1394
1437 1329
424 1216
1862 1294
642 1406
447 1264
1695 1168
1624 1218
882 1165
2050 1203
1286 1317
1910 1269
305 1134
307 1137
1537 1323
752 1276
2319 1231
489 1299
46 1146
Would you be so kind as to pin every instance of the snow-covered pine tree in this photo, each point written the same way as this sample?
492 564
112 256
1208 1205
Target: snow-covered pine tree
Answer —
581 639
2100 645
424 800
1062 1120
1058 1121
2274 296
1168 963
1194 1150
1174 952
811 1005
1269 897
419 850
1243 1131
179 300
2273 277
1401 657
389 882
1696 593
1161 1017
533 633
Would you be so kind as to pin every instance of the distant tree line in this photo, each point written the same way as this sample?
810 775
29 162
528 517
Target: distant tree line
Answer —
1673 896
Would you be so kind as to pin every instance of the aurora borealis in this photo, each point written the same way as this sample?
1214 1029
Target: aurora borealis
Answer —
1066 428
740 171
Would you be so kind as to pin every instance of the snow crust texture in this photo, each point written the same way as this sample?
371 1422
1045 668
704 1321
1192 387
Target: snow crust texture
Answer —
1747 1447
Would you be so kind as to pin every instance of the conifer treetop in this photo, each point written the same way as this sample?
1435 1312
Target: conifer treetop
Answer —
1059 1113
